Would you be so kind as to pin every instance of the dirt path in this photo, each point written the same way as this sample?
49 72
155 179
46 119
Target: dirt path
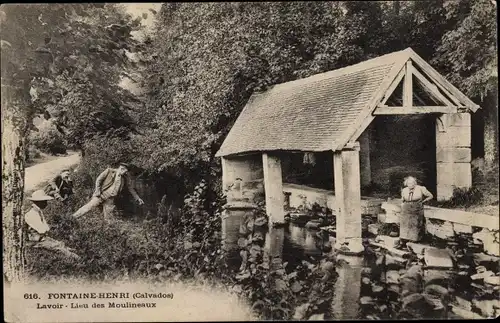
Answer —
38 175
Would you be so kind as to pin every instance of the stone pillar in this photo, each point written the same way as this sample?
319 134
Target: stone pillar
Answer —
364 158
273 187
453 154
348 199
237 171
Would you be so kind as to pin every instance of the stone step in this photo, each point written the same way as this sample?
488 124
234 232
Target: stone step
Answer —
437 258
389 242
490 241
393 206
392 251
465 314
488 307
373 228
441 229
492 280
388 218
463 303
417 248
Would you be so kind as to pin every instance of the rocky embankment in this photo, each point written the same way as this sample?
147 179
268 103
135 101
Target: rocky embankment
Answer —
453 273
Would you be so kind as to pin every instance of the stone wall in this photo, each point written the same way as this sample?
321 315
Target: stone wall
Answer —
447 224
402 146
300 193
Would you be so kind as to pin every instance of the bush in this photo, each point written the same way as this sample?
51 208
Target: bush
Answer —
105 151
154 250
48 140
464 197
31 153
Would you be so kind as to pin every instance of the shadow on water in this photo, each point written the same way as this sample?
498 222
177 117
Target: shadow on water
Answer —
313 245
294 244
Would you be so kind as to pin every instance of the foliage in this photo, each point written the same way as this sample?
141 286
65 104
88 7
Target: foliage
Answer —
72 56
464 197
206 59
106 151
32 154
470 64
209 59
48 140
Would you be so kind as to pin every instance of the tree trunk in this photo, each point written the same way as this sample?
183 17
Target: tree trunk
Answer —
13 158
491 129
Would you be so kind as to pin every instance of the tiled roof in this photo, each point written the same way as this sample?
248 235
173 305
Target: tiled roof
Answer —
313 113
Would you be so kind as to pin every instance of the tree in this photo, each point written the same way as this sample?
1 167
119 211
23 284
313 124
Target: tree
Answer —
209 59
472 64
52 57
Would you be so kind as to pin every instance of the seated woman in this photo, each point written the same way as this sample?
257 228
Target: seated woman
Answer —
412 224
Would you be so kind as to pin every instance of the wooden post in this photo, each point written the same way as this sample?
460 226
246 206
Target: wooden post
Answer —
453 154
408 86
273 187
348 199
364 158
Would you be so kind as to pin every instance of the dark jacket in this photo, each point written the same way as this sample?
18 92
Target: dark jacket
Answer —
58 185
106 179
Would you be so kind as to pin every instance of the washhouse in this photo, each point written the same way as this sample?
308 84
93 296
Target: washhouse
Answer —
349 126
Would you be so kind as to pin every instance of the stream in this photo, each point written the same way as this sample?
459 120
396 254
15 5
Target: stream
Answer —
379 285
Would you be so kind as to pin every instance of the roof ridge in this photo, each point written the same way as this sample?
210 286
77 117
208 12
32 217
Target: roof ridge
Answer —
259 128
344 70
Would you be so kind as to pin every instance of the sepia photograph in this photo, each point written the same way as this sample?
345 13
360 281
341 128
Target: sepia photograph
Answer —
250 161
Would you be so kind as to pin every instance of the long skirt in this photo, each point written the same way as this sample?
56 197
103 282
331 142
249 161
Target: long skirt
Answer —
412 221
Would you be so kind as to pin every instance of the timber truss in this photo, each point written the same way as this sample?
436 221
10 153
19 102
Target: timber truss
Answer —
417 82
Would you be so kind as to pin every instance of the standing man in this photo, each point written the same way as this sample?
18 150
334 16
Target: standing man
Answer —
61 186
109 184
38 227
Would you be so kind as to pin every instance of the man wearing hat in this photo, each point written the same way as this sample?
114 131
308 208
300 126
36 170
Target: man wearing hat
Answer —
61 186
109 185
38 227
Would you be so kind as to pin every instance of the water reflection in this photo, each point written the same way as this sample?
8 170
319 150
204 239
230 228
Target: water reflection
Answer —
311 243
359 290
345 304
275 239
293 244
297 235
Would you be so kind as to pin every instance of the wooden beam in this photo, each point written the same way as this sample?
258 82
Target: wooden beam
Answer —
442 83
453 98
408 86
384 110
419 99
433 90
367 117
352 145
393 85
